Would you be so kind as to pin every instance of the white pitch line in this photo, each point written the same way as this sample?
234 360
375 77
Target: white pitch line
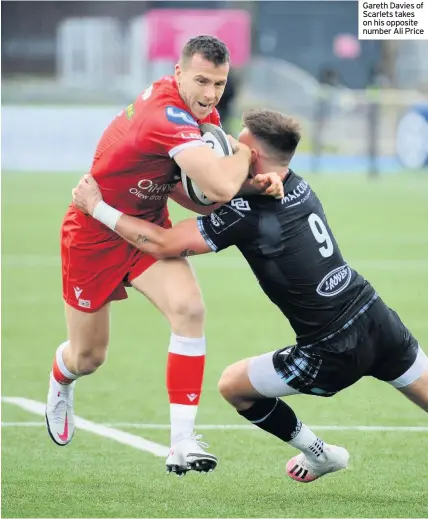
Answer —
233 427
211 262
101 430
255 428
23 424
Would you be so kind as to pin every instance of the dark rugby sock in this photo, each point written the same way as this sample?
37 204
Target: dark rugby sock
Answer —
274 416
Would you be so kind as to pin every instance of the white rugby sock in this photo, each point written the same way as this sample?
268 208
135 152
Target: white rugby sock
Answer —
182 421
185 372
309 443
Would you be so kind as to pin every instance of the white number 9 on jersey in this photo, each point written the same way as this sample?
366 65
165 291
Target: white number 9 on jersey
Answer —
320 233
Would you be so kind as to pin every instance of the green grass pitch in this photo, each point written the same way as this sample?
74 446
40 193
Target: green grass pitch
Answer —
381 227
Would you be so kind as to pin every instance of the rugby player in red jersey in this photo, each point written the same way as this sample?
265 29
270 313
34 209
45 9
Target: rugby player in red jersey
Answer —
135 165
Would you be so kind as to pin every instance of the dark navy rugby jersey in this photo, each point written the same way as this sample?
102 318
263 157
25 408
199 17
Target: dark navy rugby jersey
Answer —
293 253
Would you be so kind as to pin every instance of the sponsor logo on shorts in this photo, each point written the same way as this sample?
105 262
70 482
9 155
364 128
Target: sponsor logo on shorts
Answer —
149 190
335 281
178 116
84 303
77 292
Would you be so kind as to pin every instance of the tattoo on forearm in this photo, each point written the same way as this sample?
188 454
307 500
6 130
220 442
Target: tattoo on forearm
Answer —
187 252
142 239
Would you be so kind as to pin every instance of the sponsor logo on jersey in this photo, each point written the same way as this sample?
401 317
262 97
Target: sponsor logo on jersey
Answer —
147 93
130 111
335 281
178 116
240 204
149 190
188 136
299 195
223 218
216 220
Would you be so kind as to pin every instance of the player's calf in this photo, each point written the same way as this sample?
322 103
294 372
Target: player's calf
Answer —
252 386
85 362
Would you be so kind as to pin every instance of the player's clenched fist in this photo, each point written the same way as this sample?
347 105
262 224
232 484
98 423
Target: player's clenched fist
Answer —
269 184
87 194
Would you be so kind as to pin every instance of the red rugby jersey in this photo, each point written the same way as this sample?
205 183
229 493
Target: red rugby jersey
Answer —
133 161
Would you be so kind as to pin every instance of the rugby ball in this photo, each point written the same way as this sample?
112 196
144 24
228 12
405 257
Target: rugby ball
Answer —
217 139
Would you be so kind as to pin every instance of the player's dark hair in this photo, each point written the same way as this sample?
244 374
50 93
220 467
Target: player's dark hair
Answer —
279 133
210 47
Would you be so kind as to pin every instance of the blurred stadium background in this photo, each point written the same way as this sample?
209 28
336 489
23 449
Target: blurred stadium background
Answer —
363 103
67 69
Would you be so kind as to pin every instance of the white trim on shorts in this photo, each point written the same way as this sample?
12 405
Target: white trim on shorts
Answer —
265 379
413 373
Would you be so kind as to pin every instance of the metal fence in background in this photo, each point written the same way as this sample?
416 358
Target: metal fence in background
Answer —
343 129
105 61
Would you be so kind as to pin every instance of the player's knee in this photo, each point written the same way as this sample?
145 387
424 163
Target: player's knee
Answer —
228 385
188 309
235 385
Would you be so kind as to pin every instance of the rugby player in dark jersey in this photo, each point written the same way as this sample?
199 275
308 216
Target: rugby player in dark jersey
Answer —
344 331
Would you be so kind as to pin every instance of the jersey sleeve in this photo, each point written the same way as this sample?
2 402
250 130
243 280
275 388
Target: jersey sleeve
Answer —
171 130
231 224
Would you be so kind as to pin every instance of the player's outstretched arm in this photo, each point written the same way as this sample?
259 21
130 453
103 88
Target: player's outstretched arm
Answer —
219 178
184 239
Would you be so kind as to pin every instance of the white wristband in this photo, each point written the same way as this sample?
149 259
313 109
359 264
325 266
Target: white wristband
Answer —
106 214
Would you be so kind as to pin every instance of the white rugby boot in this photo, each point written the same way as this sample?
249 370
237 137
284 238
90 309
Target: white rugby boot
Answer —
59 411
188 454
305 470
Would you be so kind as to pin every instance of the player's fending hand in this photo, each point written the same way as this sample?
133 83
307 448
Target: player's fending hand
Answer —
239 146
86 194
268 184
